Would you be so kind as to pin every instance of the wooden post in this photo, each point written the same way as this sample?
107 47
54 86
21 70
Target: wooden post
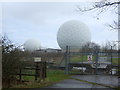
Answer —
41 71
44 70
20 76
37 61
36 71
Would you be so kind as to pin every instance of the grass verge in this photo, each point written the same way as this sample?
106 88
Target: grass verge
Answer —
53 76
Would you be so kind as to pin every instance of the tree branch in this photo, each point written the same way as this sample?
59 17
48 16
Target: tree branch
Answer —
100 5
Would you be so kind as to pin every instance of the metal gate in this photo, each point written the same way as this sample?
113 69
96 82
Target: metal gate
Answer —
95 62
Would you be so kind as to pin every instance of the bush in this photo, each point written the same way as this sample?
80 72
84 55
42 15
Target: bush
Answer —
10 61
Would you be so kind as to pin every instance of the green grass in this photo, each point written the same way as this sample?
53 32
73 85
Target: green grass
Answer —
56 76
53 76
28 78
115 60
78 58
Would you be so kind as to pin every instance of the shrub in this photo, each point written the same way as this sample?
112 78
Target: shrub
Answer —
10 61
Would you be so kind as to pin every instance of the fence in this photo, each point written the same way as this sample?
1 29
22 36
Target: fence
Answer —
39 71
78 62
83 63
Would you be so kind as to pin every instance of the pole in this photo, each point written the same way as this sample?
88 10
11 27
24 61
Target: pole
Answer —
111 60
66 60
96 60
20 76
82 60
36 71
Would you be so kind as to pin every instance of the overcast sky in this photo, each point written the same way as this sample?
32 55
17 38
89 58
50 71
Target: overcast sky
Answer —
41 21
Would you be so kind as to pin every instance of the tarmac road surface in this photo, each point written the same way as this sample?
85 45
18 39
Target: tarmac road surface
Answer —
71 83
101 79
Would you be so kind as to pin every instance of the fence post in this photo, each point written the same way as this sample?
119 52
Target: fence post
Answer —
111 60
69 59
66 60
82 60
20 76
41 71
44 70
96 60
36 71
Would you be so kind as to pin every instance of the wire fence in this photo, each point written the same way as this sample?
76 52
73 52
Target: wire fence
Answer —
86 62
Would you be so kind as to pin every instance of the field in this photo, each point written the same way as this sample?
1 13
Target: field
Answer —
78 58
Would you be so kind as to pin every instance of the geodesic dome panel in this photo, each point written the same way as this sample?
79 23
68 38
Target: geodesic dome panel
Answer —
74 34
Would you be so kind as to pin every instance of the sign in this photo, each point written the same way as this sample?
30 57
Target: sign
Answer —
89 58
102 59
37 59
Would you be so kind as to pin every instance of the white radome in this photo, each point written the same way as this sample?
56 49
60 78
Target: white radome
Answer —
32 45
73 33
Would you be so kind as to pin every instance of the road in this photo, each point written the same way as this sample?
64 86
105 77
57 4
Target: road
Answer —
72 83
101 79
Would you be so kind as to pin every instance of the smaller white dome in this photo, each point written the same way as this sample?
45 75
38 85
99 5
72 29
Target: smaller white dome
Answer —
32 45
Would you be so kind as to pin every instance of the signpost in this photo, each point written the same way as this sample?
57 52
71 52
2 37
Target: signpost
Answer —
42 66
37 60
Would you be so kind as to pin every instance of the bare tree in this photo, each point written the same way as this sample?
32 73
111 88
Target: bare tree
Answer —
103 6
109 46
91 47
106 47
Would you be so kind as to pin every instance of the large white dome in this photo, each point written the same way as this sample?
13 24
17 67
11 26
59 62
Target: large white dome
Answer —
31 45
73 33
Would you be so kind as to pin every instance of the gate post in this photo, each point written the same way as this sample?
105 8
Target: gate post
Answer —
66 60
111 60
96 60
20 74
36 71
37 61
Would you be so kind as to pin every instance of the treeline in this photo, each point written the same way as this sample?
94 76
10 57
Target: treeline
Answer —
107 47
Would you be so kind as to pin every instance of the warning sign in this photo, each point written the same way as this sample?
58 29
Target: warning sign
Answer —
89 57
